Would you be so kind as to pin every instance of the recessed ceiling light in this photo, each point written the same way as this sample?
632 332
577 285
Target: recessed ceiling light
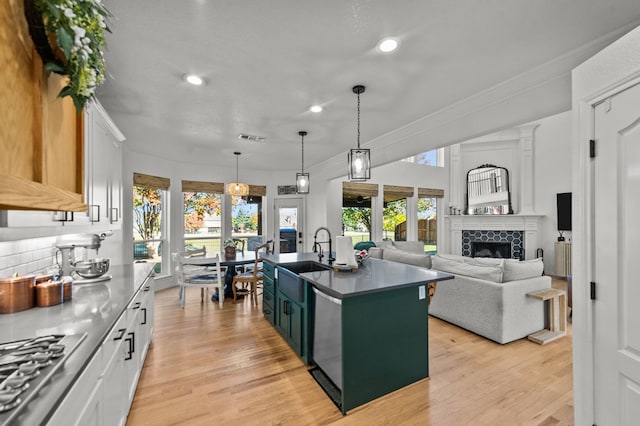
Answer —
194 79
388 45
315 108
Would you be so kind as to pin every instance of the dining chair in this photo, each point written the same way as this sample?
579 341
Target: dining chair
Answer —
199 272
250 280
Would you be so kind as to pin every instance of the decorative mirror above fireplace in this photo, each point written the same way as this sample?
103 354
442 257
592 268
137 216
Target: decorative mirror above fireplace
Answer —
488 191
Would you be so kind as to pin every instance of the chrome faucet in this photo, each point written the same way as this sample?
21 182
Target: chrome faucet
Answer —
317 244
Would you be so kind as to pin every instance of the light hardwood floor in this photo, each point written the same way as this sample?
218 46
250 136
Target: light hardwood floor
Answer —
211 366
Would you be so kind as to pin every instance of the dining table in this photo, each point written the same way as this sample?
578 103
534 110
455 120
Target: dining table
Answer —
231 262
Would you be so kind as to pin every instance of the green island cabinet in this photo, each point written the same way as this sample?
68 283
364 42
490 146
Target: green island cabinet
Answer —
269 292
363 334
287 311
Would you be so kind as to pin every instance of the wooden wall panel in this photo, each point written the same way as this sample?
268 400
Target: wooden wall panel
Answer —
41 136
18 102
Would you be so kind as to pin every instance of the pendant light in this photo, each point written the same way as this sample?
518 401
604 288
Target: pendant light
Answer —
237 188
302 178
359 158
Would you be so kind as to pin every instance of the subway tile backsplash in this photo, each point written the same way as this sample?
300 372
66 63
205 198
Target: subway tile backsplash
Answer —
27 256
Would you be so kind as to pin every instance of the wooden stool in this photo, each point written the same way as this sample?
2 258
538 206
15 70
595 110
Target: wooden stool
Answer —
557 315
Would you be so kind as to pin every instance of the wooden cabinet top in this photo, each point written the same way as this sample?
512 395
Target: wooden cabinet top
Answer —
41 140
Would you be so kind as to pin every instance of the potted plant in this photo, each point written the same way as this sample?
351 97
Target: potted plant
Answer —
229 248
69 36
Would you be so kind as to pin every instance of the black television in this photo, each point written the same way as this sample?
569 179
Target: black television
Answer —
564 211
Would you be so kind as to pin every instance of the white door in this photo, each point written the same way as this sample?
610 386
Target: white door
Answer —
289 225
616 209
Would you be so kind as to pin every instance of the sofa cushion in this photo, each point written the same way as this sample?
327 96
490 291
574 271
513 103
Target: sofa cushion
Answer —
485 261
489 273
402 256
410 246
522 269
384 244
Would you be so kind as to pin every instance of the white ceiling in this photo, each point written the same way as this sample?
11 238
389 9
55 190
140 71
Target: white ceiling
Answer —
266 62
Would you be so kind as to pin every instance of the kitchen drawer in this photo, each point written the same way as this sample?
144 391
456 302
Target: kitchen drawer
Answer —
268 284
267 308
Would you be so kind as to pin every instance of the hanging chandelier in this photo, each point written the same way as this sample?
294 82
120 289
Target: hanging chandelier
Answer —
359 158
302 178
237 188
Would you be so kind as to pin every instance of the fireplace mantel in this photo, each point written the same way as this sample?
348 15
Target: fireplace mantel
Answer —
527 223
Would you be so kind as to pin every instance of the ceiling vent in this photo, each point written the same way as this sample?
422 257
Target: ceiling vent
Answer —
252 137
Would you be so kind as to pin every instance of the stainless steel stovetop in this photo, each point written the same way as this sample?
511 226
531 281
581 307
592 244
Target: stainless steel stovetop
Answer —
26 366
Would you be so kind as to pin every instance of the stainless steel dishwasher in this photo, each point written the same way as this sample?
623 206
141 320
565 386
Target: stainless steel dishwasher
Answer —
327 336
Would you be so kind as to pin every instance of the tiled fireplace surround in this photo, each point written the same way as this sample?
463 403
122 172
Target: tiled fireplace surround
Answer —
512 149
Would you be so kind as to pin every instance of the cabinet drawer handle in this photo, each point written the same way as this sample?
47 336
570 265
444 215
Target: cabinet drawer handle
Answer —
119 336
147 288
93 216
114 215
136 306
144 321
132 345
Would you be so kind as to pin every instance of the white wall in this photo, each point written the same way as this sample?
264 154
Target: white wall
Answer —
552 173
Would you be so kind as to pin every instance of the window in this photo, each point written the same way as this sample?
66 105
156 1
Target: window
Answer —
246 216
433 158
356 210
394 215
149 201
202 202
427 218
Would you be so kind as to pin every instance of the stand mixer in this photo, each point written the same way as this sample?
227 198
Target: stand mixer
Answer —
92 270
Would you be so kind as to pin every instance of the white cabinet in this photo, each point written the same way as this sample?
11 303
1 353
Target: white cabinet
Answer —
83 404
103 174
104 392
115 401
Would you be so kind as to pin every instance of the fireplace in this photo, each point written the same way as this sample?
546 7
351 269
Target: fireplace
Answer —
491 249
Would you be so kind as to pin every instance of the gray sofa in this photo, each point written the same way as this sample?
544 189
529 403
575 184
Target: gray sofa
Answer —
487 296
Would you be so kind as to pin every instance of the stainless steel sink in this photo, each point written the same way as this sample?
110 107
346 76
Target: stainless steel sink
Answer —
305 266
289 281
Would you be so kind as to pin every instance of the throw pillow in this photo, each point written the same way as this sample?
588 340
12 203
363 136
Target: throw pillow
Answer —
402 256
522 269
364 245
489 273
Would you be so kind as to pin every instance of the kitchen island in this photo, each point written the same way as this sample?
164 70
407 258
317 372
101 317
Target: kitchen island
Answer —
364 333
107 328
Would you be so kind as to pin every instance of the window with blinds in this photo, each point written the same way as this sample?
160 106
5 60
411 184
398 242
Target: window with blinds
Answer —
149 205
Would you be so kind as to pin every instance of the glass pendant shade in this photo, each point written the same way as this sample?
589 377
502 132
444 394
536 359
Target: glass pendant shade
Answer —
302 183
302 178
359 164
237 188
359 159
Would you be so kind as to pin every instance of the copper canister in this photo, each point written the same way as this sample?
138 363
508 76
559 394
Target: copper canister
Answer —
40 279
17 293
66 290
49 293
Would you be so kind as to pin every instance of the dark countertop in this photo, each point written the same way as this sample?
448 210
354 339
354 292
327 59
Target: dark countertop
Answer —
93 309
374 275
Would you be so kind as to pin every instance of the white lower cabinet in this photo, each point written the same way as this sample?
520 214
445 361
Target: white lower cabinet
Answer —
115 401
76 408
111 378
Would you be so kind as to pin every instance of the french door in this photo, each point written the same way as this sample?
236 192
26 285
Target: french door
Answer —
289 225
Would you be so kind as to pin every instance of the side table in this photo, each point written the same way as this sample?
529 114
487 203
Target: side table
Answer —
557 315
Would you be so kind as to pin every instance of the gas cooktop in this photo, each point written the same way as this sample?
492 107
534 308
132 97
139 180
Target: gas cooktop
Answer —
26 366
